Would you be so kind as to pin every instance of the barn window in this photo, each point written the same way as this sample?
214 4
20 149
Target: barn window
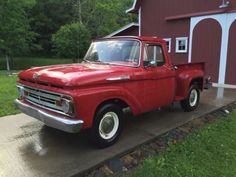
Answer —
168 44
181 45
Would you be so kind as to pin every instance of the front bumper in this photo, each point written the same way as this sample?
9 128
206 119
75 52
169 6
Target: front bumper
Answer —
58 122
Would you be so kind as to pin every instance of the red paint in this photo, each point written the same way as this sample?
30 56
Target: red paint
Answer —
183 6
189 15
171 19
231 59
204 49
147 89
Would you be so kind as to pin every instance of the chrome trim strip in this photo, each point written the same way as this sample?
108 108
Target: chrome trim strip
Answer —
53 110
54 93
50 92
58 122
40 93
44 104
118 78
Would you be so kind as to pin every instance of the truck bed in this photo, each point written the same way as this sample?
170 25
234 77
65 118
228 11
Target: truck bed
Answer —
190 66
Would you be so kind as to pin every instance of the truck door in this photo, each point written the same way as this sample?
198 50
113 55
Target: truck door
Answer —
160 83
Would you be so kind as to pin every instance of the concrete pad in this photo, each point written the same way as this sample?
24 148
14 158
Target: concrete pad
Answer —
28 148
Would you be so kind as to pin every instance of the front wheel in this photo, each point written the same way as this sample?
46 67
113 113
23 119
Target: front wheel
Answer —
107 126
192 101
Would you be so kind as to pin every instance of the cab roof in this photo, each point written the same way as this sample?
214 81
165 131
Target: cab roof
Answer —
141 38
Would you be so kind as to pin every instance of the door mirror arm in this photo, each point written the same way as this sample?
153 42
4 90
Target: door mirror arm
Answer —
148 64
174 68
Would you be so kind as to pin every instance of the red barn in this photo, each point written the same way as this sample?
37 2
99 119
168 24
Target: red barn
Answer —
195 30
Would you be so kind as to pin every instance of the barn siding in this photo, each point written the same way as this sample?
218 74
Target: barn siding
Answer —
207 46
154 24
162 19
231 62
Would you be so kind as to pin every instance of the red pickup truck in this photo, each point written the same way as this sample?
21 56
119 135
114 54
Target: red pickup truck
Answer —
117 73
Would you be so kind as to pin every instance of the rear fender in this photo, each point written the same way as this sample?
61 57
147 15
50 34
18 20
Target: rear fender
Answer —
184 81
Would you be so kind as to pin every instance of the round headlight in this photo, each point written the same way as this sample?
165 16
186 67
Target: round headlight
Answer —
67 106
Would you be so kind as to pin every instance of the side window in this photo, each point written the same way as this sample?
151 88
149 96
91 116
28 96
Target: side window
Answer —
154 55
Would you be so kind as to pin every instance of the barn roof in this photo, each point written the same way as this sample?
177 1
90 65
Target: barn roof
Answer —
123 29
142 38
135 7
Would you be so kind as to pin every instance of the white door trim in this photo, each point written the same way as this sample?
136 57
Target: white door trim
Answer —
225 20
140 20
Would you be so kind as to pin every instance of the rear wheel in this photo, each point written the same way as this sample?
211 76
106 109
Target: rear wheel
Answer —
107 126
192 101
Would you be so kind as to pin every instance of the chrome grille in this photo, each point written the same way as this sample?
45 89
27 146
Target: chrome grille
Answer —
43 98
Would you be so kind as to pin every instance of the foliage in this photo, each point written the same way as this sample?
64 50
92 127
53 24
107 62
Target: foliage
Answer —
71 40
47 16
21 63
8 94
15 33
206 153
28 25
100 17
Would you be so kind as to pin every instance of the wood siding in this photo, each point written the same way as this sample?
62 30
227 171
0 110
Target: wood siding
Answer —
207 46
231 62
171 19
154 13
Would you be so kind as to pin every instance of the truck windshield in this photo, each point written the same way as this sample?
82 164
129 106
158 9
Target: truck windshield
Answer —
116 51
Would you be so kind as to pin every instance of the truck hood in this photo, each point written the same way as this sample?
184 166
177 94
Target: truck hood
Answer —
74 75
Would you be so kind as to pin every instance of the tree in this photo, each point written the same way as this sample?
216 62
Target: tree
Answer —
47 18
100 17
18 18
71 41
15 33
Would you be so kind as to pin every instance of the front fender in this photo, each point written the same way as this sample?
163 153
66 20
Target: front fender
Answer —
87 101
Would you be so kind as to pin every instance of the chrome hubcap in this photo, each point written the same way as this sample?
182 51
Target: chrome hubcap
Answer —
109 125
193 98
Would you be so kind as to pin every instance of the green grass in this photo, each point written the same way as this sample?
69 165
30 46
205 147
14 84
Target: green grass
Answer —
210 152
8 92
28 62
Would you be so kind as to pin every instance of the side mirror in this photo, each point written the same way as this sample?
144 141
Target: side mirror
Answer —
152 63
